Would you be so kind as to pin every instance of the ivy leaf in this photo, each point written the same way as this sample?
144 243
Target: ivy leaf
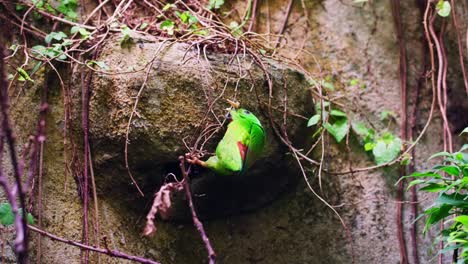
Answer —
6 214
143 25
313 120
215 4
83 32
385 115
68 8
443 8
55 35
339 129
386 149
126 41
168 26
369 146
186 17
100 64
168 6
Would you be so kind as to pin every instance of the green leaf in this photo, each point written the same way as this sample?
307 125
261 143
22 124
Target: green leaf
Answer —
443 8
100 64
464 130
55 35
168 26
463 148
363 131
415 182
68 8
425 174
202 32
235 28
143 25
215 4
451 170
440 154
436 214
360 129
313 120
186 17
318 106
20 7
328 85
6 214
354 82
24 74
433 187
369 146
126 41
454 199
168 6
384 115
386 149
30 218
406 159
463 219
335 112
339 129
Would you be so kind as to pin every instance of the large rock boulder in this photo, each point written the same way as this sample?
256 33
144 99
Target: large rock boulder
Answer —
181 92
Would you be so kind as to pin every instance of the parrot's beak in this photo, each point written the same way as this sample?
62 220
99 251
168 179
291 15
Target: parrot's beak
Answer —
233 103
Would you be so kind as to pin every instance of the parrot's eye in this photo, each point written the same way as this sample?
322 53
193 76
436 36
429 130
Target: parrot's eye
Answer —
228 116
246 112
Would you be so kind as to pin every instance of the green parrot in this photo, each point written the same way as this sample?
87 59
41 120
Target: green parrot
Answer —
241 145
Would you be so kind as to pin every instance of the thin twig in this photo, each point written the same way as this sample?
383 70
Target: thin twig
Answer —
285 23
198 224
112 253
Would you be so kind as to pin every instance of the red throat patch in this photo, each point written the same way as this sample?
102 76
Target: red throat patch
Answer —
242 150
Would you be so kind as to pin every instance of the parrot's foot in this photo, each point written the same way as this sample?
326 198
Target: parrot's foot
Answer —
194 160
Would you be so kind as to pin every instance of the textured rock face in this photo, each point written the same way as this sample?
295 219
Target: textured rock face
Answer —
181 92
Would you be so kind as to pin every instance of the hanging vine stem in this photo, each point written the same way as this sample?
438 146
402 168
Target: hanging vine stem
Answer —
432 39
21 241
85 83
412 126
403 127
134 111
459 43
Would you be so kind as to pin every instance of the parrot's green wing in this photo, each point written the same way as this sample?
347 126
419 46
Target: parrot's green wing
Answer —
254 147
227 150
